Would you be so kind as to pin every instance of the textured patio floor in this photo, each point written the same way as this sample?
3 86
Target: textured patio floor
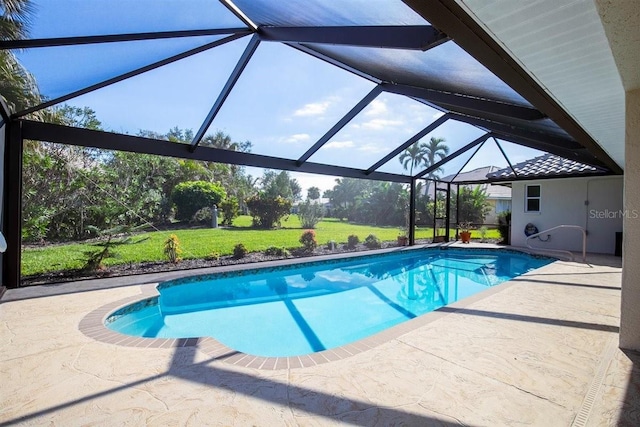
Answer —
539 350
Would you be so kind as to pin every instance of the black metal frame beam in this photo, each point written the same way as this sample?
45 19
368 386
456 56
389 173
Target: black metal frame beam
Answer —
340 124
580 155
503 128
115 38
505 156
407 37
452 101
129 74
450 17
4 110
329 60
415 138
111 141
468 160
4 119
12 205
412 212
447 230
239 14
453 155
226 90
457 210
500 181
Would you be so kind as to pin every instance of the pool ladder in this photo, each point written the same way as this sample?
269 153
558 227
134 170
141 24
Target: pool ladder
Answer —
577 227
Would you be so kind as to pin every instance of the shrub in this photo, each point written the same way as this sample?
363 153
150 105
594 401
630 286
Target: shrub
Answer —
230 210
310 214
268 211
504 223
483 233
239 251
202 216
213 256
372 242
352 241
191 196
172 249
308 240
273 251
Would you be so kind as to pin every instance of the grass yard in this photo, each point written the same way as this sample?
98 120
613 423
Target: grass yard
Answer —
201 242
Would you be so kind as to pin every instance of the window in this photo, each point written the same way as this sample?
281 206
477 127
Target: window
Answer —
532 198
503 206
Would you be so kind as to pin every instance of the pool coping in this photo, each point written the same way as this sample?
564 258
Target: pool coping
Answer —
93 326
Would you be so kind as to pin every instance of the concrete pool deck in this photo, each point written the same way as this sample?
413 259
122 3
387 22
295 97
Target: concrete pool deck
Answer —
538 350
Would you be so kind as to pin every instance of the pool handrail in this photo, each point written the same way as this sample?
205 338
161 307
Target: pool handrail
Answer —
584 240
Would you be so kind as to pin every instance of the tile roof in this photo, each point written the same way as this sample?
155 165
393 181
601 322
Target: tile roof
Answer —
479 174
545 166
476 177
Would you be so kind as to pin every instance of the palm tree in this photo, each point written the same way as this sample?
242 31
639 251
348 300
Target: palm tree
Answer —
413 156
14 20
17 85
435 149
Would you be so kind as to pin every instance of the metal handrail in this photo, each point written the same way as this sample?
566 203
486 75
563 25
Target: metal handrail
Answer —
584 240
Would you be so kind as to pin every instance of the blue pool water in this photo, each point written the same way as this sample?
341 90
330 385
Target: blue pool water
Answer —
295 310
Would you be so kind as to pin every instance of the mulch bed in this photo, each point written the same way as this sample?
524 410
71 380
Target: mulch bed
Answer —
187 264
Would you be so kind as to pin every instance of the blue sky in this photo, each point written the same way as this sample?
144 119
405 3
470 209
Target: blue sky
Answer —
284 101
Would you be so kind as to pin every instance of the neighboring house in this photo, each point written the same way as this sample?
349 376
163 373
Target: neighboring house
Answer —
548 191
498 196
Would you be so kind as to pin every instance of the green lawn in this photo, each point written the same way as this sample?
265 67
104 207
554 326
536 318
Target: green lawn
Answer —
199 243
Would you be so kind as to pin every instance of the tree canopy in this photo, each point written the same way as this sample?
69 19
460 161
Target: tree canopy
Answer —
191 196
425 154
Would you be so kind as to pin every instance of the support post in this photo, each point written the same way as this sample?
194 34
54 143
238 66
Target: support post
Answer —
435 207
12 209
457 210
447 214
630 296
412 212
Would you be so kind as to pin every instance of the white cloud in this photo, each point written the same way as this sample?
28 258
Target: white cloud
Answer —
376 108
298 137
339 144
313 109
437 115
373 148
380 124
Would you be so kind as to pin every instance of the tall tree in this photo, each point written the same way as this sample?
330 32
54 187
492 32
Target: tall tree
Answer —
385 204
15 18
344 194
281 184
435 150
59 191
413 156
313 193
17 85
473 204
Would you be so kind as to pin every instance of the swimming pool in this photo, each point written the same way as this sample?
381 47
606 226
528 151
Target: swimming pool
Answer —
310 307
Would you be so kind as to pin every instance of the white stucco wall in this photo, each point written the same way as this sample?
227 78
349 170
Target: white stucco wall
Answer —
630 306
593 203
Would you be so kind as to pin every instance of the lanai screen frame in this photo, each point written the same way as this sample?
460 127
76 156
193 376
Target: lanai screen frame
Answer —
449 23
